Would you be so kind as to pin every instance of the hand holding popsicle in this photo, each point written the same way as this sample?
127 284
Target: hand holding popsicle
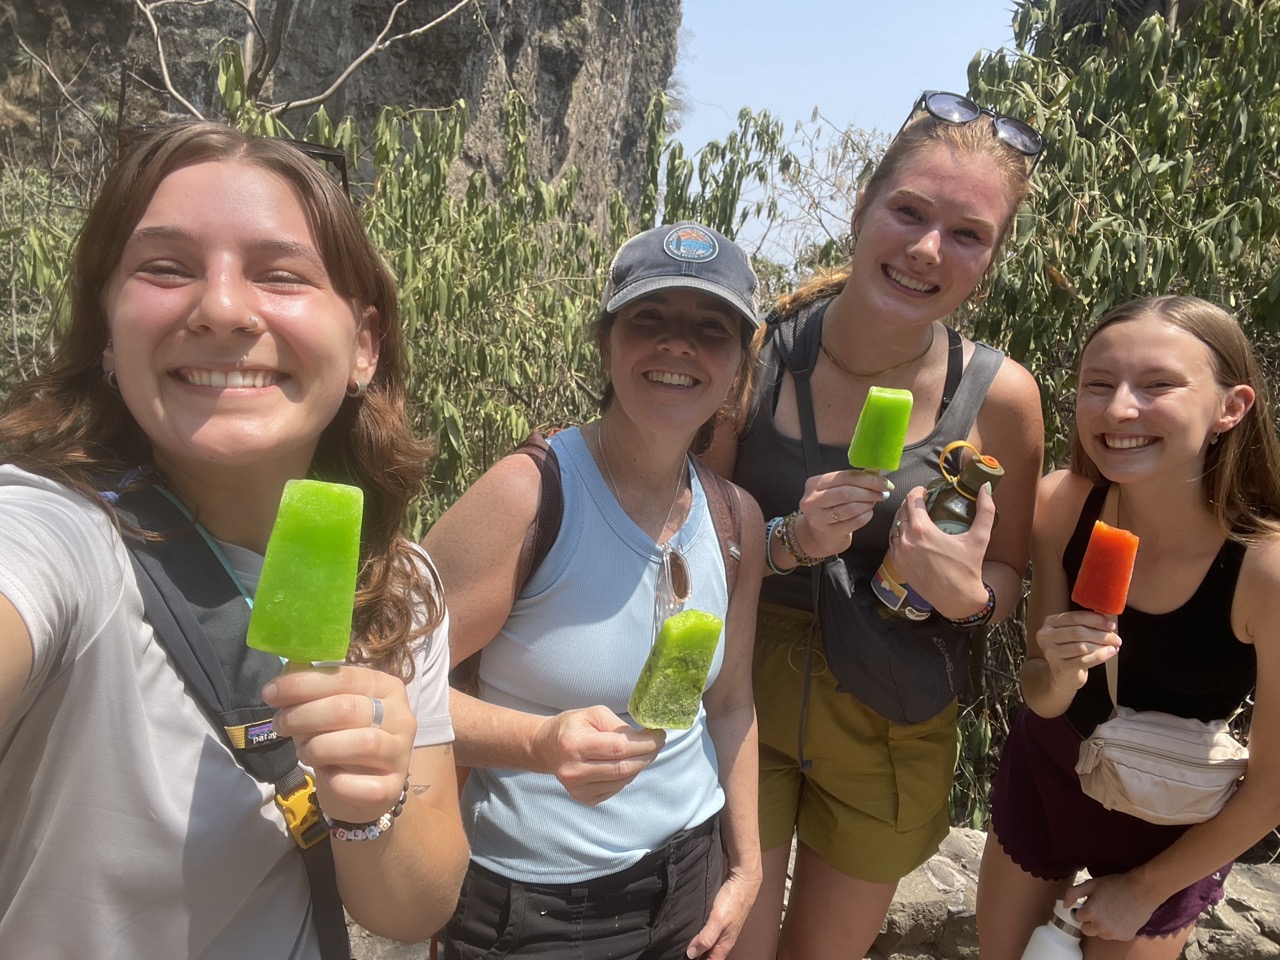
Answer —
359 768
594 753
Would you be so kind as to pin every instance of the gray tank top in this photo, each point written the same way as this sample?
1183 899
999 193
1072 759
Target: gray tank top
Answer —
771 466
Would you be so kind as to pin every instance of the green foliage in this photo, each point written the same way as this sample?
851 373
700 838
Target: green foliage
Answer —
38 219
1159 177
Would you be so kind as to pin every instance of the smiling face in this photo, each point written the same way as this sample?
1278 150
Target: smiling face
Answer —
1149 402
219 244
674 354
927 237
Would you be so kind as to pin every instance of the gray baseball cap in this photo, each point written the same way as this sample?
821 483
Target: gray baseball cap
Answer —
684 254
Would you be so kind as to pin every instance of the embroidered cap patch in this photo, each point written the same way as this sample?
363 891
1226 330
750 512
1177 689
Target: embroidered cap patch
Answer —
690 243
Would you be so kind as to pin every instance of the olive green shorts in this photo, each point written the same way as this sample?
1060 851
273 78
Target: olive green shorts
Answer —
874 802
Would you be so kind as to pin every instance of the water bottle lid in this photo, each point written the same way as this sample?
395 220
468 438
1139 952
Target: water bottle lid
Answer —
1064 918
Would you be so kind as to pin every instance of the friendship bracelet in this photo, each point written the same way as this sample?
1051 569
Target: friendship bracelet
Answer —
769 528
344 830
983 616
792 544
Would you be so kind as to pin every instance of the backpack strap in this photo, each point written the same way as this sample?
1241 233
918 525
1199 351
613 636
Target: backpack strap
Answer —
726 517
200 617
797 341
722 502
546 522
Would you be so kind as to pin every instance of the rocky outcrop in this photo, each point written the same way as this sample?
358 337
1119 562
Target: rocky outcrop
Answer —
587 68
932 916
933 913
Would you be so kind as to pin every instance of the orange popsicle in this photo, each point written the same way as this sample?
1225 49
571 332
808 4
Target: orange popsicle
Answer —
1107 568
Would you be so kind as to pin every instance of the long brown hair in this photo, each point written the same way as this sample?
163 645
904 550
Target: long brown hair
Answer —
923 133
68 425
1241 481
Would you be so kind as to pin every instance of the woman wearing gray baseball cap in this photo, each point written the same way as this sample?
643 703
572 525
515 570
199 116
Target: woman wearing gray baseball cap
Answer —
588 832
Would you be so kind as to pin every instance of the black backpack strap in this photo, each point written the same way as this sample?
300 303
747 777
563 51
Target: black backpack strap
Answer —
798 342
200 617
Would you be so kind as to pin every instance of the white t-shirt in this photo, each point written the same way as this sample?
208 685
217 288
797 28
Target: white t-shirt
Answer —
127 829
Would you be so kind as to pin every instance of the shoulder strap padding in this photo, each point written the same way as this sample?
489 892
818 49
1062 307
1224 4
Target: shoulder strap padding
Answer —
200 617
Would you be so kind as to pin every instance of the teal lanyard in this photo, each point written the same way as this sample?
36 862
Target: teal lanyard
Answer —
213 545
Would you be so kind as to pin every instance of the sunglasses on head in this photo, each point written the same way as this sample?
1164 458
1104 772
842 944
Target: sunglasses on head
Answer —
953 108
129 137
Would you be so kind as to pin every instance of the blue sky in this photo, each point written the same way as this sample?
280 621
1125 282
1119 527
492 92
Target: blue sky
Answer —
861 62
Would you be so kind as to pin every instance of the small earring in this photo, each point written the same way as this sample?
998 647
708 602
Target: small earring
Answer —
109 378
357 390
1213 439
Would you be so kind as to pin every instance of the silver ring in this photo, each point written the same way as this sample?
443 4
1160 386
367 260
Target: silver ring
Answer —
377 712
897 530
835 517
253 323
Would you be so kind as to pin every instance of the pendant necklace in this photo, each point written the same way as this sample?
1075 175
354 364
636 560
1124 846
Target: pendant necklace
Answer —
933 331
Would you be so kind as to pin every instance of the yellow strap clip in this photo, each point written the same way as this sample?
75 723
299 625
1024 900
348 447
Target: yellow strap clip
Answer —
302 815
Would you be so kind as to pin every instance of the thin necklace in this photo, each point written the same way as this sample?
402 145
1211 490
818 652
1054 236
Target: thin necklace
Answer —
933 332
613 484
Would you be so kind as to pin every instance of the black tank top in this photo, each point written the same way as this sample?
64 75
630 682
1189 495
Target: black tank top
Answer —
1187 662
771 466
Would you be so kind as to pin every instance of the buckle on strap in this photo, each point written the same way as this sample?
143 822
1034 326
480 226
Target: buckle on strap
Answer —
302 814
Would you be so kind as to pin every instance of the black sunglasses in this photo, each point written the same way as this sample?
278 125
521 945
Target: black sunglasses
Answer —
953 108
129 137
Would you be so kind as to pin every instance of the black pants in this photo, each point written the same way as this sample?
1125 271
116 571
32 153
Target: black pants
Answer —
649 911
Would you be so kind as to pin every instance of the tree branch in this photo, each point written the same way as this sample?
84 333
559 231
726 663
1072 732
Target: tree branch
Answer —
54 77
381 43
164 65
270 49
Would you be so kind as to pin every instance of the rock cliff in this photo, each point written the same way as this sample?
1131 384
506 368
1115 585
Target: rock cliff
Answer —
588 69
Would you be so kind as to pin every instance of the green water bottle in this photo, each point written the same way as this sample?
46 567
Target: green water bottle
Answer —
952 503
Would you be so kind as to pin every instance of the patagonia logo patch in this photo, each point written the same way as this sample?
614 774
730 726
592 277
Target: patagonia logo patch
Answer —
257 734
691 244
252 735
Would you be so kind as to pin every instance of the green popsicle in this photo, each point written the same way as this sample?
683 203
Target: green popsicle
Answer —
670 686
881 431
306 594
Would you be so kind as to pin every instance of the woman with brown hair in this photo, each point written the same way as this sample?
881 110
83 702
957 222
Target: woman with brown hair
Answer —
857 706
231 328
593 837
1174 441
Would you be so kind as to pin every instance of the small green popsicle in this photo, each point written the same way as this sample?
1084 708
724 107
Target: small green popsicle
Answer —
306 594
881 431
670 686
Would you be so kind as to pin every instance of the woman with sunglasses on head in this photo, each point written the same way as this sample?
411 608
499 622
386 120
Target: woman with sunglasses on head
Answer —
1174 441
230 328
591 837
857 745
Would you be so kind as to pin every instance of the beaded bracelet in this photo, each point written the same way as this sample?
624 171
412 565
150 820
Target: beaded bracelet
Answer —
344 830
792 544
769 527
983 616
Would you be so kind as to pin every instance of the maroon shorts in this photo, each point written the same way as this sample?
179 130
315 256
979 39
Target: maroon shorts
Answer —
1051 829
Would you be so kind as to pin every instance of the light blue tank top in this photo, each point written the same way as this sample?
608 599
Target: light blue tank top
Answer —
577 636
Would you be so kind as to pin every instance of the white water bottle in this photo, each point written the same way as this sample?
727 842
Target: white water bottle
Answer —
1059 939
